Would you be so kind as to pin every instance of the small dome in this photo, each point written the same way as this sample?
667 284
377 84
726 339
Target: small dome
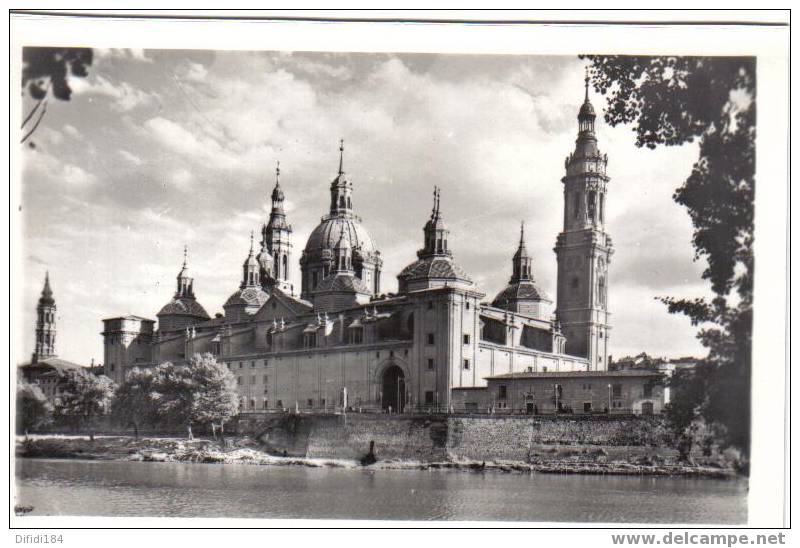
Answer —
526 290
183 306
587 110
265 260
434 267
342 282
249 296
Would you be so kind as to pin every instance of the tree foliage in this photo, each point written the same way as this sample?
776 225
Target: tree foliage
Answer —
83 397
199 393
135 400
711 100
48 70
33 408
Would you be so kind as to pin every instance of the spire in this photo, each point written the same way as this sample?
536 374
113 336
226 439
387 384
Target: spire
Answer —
47 293
586 85
184 280
251 268
341 156
521 262
341 189
435 230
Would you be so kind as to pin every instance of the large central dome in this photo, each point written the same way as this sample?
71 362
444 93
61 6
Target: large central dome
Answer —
327 233
317 262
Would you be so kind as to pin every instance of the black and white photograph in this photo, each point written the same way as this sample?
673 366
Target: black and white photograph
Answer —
268 270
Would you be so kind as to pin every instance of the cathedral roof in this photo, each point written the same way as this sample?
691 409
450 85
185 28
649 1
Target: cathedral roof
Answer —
326 235
248 296
344 283
441 267
526 290
183 306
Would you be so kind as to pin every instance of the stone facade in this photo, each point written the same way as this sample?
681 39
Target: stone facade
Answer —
343 342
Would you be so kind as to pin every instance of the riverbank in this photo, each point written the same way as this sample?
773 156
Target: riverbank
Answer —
542 458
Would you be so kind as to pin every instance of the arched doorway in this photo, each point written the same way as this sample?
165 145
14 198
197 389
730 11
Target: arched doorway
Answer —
394 389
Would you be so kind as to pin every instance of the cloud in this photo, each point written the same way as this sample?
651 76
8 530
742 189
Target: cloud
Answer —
77 176
132 158
181 178
122 53
70 130
195 72
123 95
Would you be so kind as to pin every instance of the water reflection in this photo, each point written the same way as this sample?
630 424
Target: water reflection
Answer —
62 487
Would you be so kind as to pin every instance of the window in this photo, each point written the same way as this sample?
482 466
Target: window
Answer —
377 354
265 379
266 404
466 338
502 392
310 340
648 390
310 402
574 283
430 305
467 305
253 379
431 364
252 364
405 352
544 369
112 367
430 338
280 404
252 403
356 335
240 365
429 397
322 402
239 381
466 365
616 390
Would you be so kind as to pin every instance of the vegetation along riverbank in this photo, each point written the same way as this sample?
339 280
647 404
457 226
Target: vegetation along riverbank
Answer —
545 458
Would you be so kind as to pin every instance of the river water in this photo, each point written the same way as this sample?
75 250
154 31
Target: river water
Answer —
109 488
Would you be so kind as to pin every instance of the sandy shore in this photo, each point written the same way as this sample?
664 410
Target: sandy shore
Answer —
246 451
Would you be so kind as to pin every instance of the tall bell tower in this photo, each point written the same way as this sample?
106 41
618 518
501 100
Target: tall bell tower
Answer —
583 249
45 324
276 238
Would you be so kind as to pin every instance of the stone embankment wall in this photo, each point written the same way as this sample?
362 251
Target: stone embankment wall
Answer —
444 437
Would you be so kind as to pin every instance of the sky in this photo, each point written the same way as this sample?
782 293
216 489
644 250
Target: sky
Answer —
159 149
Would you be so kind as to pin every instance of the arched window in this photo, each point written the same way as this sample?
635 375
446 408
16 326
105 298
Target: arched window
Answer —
576 204
341 202
349 204
285 268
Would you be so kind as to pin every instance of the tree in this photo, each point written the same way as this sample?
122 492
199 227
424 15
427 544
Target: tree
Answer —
33 408
47 70
83 397
203 392
677 100
135 400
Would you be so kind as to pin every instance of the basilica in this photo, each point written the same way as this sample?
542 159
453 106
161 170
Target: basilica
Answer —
338 340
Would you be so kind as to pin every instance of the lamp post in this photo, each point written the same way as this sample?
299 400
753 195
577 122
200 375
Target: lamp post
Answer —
609 398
